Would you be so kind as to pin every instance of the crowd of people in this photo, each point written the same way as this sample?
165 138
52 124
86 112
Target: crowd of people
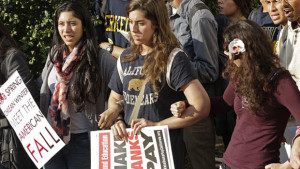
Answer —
234 74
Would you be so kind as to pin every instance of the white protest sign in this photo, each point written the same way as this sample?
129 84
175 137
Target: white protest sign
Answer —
151 148
36 135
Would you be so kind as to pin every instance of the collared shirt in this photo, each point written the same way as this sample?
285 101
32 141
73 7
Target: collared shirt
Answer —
289 49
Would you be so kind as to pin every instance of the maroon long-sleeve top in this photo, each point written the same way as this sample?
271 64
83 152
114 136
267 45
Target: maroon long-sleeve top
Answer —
256 139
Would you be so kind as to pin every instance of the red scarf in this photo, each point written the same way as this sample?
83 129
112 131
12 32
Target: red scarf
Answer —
58 109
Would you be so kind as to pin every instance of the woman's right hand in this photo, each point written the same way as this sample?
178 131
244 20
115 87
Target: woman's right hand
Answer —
107 118
119 131
178 108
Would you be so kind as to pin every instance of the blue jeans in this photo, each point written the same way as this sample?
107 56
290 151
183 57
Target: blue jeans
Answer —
75 155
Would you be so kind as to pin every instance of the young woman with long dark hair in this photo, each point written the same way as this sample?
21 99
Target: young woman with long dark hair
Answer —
74 87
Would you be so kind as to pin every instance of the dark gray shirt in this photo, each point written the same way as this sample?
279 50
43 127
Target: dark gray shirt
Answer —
200 43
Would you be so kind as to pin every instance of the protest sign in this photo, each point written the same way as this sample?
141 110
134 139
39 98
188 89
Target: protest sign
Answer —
149 149
36 135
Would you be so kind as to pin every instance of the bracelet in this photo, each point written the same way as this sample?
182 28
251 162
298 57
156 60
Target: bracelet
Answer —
120 103
115 121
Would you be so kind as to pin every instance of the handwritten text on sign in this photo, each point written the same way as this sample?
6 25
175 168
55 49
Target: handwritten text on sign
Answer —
36 135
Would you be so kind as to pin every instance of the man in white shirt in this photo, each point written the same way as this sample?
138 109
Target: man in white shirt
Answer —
288 50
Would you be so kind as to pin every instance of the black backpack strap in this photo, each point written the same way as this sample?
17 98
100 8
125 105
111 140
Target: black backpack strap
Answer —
194 9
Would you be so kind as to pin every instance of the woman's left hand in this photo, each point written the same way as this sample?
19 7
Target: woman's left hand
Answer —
178 108
138 124
285 165
295 154
107 118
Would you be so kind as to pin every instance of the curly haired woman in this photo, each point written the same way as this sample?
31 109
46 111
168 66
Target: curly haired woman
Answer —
262 93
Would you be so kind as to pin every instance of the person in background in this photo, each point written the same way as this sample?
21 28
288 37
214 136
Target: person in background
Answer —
98 11
289 52
276 13
117 27
263 95
152 42
74 85
235 9
261 16
196 30
11 60
289 38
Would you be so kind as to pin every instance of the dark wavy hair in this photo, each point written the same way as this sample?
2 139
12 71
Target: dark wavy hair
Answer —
163 39
258 63
6 41
245 6
86 85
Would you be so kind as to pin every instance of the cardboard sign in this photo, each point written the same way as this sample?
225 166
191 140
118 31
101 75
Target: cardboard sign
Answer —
35 133
151 148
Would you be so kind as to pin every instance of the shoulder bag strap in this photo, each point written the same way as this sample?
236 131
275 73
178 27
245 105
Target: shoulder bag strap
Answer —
169 65
120 71
137 105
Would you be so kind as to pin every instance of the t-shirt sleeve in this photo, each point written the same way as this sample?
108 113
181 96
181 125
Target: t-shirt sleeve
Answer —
181 71
288 95
107 63
115 83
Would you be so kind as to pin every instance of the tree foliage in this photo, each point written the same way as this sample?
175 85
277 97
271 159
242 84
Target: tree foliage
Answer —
31 25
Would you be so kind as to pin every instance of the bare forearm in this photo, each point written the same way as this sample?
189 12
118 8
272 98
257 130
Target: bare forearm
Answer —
189 117
115 105
116 52
198 109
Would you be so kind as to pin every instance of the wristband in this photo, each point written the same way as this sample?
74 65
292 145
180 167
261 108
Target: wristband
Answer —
110 48
121 103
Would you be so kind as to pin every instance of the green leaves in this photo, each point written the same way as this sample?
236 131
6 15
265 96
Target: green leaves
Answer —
31 25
